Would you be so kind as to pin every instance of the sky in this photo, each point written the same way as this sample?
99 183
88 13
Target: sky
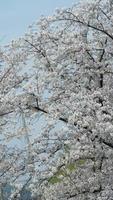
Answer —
17 15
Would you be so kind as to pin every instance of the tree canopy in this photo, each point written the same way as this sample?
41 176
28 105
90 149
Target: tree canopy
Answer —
56 106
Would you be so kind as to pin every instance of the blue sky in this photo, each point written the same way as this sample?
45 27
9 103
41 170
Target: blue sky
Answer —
17 15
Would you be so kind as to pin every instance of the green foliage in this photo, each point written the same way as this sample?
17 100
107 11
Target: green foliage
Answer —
54 179
80 162
61 172
71 167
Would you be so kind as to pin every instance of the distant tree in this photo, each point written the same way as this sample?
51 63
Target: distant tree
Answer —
56 96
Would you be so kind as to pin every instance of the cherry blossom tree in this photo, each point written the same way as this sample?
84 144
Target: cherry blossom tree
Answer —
56 96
